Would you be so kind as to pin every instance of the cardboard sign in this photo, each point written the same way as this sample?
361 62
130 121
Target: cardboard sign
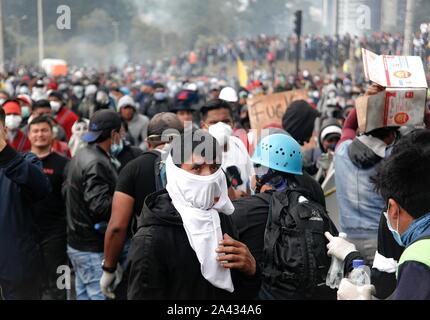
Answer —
392 107
404 100
264 110
394 71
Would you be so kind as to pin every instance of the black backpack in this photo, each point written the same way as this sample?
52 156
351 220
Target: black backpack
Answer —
295 261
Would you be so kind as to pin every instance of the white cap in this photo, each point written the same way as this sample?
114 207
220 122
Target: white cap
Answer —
228 94
126 101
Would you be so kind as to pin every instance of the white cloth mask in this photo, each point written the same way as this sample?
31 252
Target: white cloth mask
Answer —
193 197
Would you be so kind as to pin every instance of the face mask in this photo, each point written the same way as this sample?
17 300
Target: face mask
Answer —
115 149
221 132
396 234
13 122
78 91
159 96
25 112
55 106
2 101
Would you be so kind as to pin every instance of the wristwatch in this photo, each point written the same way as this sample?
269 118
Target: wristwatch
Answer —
110 270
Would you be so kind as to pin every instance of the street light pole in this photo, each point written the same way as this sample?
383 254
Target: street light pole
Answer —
1 38
40 28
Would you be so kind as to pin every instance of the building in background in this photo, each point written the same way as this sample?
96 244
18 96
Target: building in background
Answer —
359 17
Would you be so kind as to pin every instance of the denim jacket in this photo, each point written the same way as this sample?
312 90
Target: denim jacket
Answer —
360 206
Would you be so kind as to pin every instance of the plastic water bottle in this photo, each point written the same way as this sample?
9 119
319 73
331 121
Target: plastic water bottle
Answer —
360 275
335 273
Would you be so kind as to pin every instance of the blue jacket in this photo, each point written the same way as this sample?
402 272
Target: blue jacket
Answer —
360 206
22 183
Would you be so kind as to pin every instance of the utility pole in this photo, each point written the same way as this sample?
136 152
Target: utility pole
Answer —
1 38
40 28
298 31
409 27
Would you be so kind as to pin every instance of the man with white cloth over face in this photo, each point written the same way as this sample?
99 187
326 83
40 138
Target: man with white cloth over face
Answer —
185 246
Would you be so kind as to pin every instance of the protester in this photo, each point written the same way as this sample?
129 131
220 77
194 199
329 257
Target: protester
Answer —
89 186
159 102
252 213
22 183
137 123
64 117
176 221
217 118
16 137
50 214
356 159
407 204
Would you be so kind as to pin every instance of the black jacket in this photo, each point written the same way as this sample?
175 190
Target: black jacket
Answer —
163 266
22 183
153 107
89 190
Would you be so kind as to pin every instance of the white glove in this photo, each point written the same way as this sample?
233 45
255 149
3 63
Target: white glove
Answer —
339 247
109 282
349 291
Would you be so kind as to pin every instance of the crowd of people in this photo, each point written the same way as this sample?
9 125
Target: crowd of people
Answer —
149 186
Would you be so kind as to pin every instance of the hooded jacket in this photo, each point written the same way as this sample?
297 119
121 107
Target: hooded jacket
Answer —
22 183
299 121
163 266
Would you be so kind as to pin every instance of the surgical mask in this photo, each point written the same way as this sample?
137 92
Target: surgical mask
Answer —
396 234
13 122
115 149
25 110
221 132
159 96
2 101
78 91
55 106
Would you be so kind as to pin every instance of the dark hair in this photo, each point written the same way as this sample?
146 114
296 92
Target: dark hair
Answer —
195 142
405 175
2 116
41 104
215 104
41 119
383 133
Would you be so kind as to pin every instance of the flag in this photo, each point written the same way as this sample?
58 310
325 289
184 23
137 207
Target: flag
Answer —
242 73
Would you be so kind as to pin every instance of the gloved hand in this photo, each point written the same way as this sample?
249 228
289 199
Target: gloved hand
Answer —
339 247
109 282
349 291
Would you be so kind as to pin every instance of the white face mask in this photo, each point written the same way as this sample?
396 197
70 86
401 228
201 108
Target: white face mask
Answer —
2 101
13 122
55 106
221 132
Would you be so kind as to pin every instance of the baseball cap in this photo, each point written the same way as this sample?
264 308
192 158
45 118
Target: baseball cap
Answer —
100 122
12 107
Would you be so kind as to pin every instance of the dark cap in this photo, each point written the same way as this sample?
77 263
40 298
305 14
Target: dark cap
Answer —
102 121
58 95
161 124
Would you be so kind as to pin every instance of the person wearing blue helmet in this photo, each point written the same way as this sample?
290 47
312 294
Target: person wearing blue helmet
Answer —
278 165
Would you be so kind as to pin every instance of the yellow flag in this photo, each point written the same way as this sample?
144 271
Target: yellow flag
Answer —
242 73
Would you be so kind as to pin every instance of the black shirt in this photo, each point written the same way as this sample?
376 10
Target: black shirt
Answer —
137 180
50 213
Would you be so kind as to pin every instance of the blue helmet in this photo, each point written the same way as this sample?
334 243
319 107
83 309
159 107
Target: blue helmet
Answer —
279 152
